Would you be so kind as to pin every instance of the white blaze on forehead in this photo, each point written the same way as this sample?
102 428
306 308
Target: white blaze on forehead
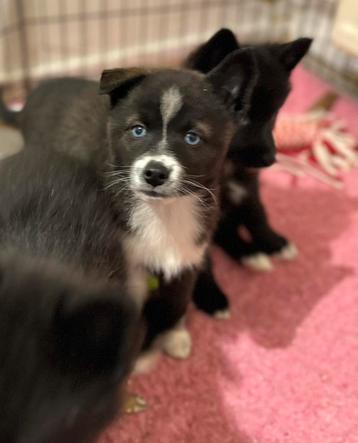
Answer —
170 104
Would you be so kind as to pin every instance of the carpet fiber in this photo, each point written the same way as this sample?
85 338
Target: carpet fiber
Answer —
283 369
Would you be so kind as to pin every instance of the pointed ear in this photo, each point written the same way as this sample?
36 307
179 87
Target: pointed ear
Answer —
117 82
211 53
95 335
291 53
234 80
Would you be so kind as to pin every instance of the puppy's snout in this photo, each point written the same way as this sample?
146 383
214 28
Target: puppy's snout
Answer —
267 159
156 173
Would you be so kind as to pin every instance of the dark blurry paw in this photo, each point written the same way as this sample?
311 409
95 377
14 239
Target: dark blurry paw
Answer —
277 247
209 298
270 243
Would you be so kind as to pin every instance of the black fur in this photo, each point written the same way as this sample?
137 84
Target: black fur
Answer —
69 330
207 296
252 146
6 115
68 113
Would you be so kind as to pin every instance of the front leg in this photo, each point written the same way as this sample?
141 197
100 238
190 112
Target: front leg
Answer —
264 238
243 207
165 312
226 235
207 295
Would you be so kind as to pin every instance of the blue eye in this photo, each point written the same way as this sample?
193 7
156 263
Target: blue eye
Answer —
191 138
138 131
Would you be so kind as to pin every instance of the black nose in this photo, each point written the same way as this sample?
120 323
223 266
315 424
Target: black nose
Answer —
155 173
267 159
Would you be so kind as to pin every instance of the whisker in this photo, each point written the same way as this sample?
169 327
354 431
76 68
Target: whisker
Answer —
118 170
185 191
115 182
112 168
204 188
195 176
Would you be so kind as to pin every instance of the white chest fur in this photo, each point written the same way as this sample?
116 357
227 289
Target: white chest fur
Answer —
164 234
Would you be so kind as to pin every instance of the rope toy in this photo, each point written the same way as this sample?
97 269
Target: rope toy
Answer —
316 144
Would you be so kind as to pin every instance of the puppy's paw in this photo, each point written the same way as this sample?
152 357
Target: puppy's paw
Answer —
288 252
177 343
258 262
146 361
223 314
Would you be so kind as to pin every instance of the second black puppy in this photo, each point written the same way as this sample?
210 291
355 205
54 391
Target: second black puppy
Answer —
253 146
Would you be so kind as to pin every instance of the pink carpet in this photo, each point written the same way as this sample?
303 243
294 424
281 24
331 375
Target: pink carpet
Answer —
283 369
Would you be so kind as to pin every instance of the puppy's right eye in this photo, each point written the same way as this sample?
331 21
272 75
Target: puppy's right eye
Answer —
138 131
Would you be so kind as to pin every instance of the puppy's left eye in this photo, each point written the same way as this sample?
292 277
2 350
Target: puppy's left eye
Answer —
192 138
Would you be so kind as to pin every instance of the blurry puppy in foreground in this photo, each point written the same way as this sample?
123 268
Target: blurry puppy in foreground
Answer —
158 139
252 147
69 328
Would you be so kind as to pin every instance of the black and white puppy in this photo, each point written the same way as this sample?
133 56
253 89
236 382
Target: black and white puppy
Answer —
69 328
159 142
168 134
252 147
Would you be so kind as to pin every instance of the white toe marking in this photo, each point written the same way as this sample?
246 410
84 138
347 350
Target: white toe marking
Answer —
289 252
146 361
258 262
224 314
177 343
